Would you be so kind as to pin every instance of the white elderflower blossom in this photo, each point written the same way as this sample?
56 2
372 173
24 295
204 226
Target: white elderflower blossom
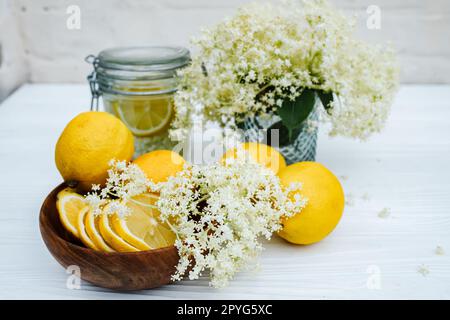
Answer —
248 64
219 214
123 183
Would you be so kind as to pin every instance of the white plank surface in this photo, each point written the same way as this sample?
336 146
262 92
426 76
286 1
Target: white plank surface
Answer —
404 169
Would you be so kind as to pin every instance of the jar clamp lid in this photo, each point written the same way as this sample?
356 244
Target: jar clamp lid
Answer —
117 69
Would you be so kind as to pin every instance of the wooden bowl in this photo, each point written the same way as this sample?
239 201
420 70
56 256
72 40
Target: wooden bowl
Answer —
119 271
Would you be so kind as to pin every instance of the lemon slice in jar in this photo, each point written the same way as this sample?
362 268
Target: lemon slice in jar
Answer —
142 227
145 117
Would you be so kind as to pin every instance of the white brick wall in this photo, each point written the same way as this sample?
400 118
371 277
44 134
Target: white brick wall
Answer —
13 68
419 30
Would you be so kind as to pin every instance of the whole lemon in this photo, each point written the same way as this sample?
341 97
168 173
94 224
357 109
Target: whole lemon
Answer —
159 165
324 207
88 143
261 153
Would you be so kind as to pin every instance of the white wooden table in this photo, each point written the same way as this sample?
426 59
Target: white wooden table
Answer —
398 209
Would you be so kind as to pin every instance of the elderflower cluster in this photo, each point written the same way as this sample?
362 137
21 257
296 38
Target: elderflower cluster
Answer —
249 64
123 183
220 212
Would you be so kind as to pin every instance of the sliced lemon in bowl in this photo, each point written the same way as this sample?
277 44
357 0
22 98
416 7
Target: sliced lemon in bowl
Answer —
70 204
145 116
110 236
81 226
142 227
92 222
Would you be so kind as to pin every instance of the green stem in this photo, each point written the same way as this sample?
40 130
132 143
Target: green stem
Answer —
144 204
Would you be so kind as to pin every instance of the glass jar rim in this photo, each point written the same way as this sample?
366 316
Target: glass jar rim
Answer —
148 71
144 59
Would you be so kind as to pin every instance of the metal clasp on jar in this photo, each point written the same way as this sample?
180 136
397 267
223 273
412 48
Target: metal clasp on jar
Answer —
93 83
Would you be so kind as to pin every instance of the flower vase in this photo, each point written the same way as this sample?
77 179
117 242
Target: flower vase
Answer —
299 145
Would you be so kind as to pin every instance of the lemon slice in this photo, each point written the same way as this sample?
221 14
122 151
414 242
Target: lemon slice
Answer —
111 237
92 230
141 227
81 226
69 205
145 117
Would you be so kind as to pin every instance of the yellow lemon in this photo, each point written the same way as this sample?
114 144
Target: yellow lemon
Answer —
110 236
92 231
88 143
261 153
70 205
159 165
81 226
324 207
141 227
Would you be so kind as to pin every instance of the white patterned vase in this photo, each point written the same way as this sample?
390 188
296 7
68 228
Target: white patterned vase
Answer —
300 147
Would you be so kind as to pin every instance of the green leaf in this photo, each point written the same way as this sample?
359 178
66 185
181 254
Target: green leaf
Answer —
326 98
294 112
282 138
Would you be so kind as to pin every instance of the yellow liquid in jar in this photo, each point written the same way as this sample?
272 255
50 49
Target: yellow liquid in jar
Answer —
147 117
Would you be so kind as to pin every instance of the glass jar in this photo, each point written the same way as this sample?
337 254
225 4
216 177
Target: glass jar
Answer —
137 85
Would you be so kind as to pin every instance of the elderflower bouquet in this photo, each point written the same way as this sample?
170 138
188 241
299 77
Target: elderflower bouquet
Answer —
218 212
282 60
